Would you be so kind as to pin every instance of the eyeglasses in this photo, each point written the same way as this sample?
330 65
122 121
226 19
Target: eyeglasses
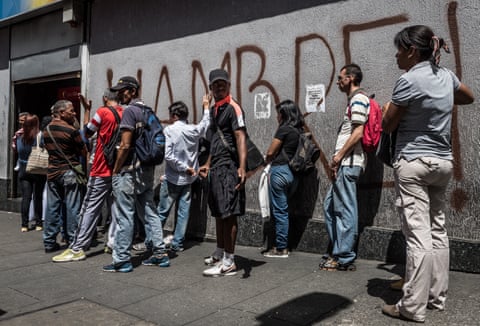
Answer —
339 78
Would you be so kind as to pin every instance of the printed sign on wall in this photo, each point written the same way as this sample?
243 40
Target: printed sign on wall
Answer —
314 98
263 104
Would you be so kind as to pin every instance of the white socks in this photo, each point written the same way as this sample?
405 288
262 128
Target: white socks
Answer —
218 253
228 259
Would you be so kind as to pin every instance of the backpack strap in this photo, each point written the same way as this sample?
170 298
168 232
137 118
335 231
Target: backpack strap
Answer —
61 152
222 136
117 120
357 91
282 151
115 113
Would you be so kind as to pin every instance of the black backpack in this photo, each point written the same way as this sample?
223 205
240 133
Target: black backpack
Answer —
110 148
307 153
150 144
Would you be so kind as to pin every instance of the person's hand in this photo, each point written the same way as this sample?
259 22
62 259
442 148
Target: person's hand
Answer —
242 177
207 98
191 171
203 171
334 165
87 105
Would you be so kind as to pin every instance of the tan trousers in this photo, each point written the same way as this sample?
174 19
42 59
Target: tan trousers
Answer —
420 186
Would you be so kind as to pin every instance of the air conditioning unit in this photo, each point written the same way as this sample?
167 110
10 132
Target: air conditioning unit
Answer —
73 12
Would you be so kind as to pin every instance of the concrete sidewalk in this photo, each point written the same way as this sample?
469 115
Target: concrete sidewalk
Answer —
35 291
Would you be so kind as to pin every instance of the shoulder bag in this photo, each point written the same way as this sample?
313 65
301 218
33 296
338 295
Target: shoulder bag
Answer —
254 156
38 159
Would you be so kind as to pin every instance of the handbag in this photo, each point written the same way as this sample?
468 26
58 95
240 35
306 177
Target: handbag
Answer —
38 159
254 156
80 175
386 148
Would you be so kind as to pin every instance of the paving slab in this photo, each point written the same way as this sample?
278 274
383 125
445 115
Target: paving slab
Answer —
80 312
265 291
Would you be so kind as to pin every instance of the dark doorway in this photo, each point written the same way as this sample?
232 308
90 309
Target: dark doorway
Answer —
37 96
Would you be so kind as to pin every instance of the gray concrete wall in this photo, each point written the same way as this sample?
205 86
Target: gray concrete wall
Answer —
280 54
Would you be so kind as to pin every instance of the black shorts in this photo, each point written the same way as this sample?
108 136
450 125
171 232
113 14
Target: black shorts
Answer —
224 201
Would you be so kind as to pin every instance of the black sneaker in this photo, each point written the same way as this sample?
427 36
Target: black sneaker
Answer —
161 261
349 267
177 249
54 248
124 267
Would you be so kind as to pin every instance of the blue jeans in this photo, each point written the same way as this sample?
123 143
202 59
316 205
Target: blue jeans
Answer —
169 194
63 190
282 183
133 192
341 213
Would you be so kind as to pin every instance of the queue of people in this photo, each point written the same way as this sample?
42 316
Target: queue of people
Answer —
420 112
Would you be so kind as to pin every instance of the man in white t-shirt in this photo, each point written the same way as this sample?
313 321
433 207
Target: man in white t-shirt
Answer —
340 205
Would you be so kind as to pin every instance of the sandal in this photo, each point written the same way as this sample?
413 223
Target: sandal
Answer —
325 258
349 267
330 265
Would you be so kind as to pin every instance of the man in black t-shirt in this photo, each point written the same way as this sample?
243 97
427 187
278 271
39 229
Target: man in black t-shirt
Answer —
226 169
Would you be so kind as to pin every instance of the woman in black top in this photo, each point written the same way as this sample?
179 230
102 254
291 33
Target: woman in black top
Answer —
282 181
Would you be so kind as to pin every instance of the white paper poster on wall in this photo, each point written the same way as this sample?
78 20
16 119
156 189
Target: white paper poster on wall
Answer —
314 98
263 105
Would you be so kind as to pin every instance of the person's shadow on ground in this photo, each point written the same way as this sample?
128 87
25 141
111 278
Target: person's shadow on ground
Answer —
380 288
246 265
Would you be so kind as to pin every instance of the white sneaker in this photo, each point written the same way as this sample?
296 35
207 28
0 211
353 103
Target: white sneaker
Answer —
211 260
168 239
220 270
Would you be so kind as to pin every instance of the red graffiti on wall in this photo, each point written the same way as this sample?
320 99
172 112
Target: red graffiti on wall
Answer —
459 196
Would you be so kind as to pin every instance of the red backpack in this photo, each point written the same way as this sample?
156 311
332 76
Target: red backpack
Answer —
372 129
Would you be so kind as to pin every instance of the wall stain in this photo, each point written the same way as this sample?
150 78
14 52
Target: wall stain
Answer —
259 81
458 197
197 67
350 28
298 48
163 74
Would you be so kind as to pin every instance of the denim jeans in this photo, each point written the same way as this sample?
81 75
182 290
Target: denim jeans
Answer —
31 184
169 194
341 213
282 183
133 193
62 191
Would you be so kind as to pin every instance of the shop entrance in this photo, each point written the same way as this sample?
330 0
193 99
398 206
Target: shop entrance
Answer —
37 96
